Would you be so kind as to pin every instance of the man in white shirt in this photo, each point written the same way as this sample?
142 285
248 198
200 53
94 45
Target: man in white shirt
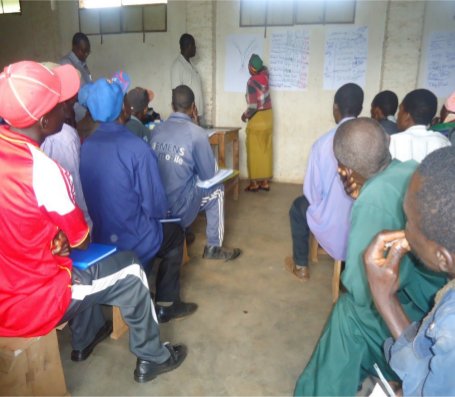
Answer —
414 115
184 73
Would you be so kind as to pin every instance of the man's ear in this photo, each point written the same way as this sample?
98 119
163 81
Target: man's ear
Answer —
43 122
377 113
444 260
407 119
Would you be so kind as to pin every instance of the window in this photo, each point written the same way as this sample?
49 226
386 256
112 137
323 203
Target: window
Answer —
295 12
10 7
98 17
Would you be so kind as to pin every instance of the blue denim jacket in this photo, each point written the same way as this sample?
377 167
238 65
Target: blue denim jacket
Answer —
424 357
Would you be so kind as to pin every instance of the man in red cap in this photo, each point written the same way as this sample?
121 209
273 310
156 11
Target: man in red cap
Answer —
40 222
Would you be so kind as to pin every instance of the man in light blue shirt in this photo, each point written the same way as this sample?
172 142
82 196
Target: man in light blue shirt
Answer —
324 208
422 354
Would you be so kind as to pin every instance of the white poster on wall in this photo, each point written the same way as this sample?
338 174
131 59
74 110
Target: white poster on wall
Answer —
345 57
239 48
440 63
289 59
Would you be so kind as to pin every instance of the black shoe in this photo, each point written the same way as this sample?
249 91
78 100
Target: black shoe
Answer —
214 252
148 370
176 310
103 333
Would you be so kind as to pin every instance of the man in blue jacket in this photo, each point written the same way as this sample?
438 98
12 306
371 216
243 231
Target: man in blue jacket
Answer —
126 198
185 157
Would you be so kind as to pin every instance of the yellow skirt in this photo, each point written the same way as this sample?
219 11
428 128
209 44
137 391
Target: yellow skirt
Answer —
259 146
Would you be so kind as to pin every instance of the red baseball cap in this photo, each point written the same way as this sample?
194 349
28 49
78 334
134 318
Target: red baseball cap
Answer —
29 90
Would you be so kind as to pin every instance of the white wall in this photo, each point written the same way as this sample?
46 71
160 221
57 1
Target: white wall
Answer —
299 117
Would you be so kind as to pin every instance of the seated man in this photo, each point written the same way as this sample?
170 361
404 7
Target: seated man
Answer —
423 355
324 208
184 156
138 99
383 109
40 222
414 115
64 147
352 339
125 196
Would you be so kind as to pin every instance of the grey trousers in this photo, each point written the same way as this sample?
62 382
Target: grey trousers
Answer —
212 202
119 281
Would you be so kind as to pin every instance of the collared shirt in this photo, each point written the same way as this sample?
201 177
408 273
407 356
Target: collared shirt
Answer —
330 206
64 147
184 154
424 356
72 59
184 73
139 129
123 190
36 201
389 126
416 143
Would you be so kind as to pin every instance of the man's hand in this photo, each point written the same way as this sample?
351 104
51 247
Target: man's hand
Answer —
351 187
383 270
60 245
382 262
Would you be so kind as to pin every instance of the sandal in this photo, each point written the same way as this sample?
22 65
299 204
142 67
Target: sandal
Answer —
264 186
252 188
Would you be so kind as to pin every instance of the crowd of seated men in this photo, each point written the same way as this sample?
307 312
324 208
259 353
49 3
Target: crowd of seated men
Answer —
378 195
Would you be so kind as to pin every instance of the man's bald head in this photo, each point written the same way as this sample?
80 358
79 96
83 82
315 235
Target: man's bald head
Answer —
182 99
363 146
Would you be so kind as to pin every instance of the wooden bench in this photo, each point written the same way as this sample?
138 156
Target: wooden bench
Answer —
315 250
31 366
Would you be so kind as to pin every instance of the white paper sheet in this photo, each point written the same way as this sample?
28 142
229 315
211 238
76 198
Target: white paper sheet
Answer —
289 59
346 53
239 48
440 63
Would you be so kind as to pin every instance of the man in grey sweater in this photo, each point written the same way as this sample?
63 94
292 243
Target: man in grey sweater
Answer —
185 157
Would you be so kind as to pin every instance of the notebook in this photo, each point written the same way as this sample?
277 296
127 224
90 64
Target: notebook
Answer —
82 259
222 175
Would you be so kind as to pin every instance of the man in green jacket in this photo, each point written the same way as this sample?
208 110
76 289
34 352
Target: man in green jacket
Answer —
352 339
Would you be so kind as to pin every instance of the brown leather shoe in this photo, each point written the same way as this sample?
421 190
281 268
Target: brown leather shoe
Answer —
303 273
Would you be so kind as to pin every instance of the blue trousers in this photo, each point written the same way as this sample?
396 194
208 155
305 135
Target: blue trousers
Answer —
300 231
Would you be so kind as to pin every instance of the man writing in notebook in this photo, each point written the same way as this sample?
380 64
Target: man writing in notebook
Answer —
40 222
184 156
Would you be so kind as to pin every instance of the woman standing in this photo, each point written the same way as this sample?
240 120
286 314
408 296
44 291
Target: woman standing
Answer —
260 126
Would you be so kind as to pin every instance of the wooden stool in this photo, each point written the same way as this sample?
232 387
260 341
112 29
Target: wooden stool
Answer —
119 327
315 250
31 366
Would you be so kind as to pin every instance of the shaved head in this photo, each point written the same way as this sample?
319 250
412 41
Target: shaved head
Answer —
363 146
182 98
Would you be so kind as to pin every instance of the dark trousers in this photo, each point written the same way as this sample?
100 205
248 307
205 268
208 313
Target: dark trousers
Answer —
117 280
300 231
171 254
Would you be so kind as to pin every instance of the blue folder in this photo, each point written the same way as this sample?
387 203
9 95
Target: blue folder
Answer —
82 259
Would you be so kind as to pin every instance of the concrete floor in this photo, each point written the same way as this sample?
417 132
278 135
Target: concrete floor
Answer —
256 325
